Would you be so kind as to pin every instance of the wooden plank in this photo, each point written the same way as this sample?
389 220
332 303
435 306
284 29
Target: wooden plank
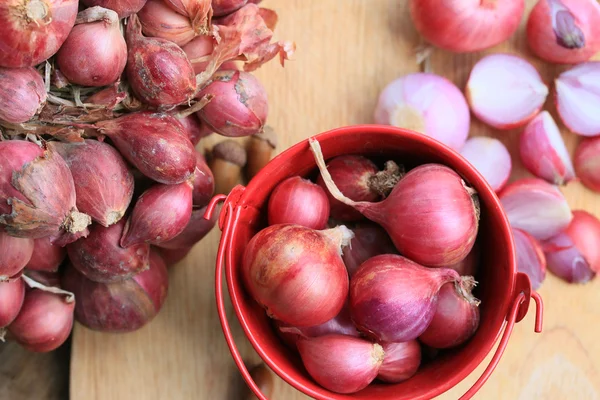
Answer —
347 52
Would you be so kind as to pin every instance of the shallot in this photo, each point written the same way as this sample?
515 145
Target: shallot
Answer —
564 31
119 306
204 182
491 158
587 163
103 182
465 25
46 256
341 324
578 98
156 144
342 364
369 240
224 7
400 361
359 179
160 20
455 320
44 322
22 94
530 257
536 207
573 255
11 299
543 151
32 31
239 106
198 51
172 256
159 72
159 215
426 103
101 259
195 230
431 215
37 194
198 11
297 273
470 264
194 128
298 201
394 299
123 7
95 52
505 91
15 253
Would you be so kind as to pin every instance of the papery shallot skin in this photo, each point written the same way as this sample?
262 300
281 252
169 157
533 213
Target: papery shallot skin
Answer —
32 31
120 306
156 144
103 182
123 7
161 21
224 7
297 273
239 106
159 72
37 194
100 257
22 94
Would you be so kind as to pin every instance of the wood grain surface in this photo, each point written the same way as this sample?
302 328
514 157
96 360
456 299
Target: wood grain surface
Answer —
348 50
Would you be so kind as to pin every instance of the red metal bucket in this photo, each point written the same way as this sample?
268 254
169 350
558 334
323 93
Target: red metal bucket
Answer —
504 292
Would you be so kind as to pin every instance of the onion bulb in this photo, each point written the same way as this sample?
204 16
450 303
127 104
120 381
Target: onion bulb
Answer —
22 94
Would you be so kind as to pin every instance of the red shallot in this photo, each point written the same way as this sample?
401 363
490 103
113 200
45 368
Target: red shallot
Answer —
505 91
470 264
32 31
430 198
119 306
359 179
194 128
342 364
587 163
11 299
46 256
172 256
491 158
198 51
156 144
100 257
195 230
536 207
159 215
369 240
198 11
22 94
224 7
123 7
455 320
204 182
297 273
426 103
400 362
564 31
466 25
159 72
543 151
239 106
578 98
44 322
160 20
103 182
15 253
37 194
530 257
95 52
341 324
299 201
394 299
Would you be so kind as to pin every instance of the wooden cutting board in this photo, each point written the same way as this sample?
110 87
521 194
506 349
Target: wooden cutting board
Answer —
348 50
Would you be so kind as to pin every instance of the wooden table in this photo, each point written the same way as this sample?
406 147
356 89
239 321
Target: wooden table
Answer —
348 50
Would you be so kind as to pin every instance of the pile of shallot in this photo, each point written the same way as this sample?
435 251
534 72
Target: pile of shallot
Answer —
102 104
505 91
347 287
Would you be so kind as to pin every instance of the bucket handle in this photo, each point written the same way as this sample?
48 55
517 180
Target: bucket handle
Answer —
227 221
516 313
